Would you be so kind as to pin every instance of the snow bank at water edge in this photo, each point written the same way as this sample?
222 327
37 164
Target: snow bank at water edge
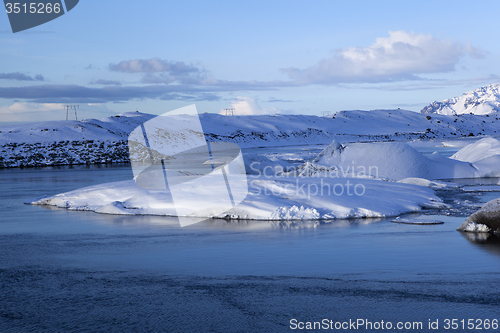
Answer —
336 184
398 161
277 198
479 150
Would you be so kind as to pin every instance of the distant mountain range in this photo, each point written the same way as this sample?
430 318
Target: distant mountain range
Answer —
480 101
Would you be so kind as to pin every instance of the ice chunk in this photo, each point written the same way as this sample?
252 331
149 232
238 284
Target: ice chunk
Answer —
476 227
423 182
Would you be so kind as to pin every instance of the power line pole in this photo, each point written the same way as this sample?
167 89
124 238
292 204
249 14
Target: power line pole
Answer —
71 107
229 110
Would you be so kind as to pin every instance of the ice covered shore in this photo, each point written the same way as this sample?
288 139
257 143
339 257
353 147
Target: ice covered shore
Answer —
398 161
337 185
291 198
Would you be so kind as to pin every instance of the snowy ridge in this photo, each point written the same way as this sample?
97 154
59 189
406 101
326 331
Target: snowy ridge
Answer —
105 141
89 141
481 101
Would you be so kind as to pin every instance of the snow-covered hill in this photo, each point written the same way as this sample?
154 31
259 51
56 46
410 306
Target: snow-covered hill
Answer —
105 141
89 141
484 100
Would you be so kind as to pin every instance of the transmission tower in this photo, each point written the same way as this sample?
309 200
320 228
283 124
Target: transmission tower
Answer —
72 107
230 110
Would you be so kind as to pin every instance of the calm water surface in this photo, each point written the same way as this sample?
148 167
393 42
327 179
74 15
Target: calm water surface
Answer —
62 270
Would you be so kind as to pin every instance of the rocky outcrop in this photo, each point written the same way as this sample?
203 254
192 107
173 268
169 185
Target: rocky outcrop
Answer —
63 153
486 219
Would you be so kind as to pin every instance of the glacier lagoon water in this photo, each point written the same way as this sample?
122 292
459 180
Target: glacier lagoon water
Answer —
79 271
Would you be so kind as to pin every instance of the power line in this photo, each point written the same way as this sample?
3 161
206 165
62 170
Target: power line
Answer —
71 107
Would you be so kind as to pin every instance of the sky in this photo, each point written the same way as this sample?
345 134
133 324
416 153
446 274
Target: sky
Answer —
258 57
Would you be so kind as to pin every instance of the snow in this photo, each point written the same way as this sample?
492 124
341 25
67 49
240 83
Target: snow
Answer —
269 198
396 161
277 195
348 179
486 219
84 142
484 155
107 129
424 182
456 143
476 227
481 101
479 150
342 181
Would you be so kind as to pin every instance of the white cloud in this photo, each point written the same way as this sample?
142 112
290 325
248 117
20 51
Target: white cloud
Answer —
35 112
398 57
23 111
247 106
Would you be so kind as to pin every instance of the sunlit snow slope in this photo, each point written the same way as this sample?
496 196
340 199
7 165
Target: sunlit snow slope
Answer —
105 141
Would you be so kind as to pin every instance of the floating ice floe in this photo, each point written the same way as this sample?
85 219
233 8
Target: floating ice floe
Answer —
417 221
278 198
425 182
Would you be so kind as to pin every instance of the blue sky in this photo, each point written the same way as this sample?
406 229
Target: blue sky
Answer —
260 57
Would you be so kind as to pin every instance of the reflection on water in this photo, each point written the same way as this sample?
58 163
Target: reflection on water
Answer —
334 223
484 240
142 221
474 181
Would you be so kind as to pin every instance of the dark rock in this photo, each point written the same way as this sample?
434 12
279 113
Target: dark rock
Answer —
488 215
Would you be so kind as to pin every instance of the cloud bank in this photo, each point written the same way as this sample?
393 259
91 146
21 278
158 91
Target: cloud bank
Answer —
51 93
106 82
399 57
21 77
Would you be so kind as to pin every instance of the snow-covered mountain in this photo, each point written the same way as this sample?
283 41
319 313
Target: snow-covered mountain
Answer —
484 100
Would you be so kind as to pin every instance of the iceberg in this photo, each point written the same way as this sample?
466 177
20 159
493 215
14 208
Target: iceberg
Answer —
269 198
